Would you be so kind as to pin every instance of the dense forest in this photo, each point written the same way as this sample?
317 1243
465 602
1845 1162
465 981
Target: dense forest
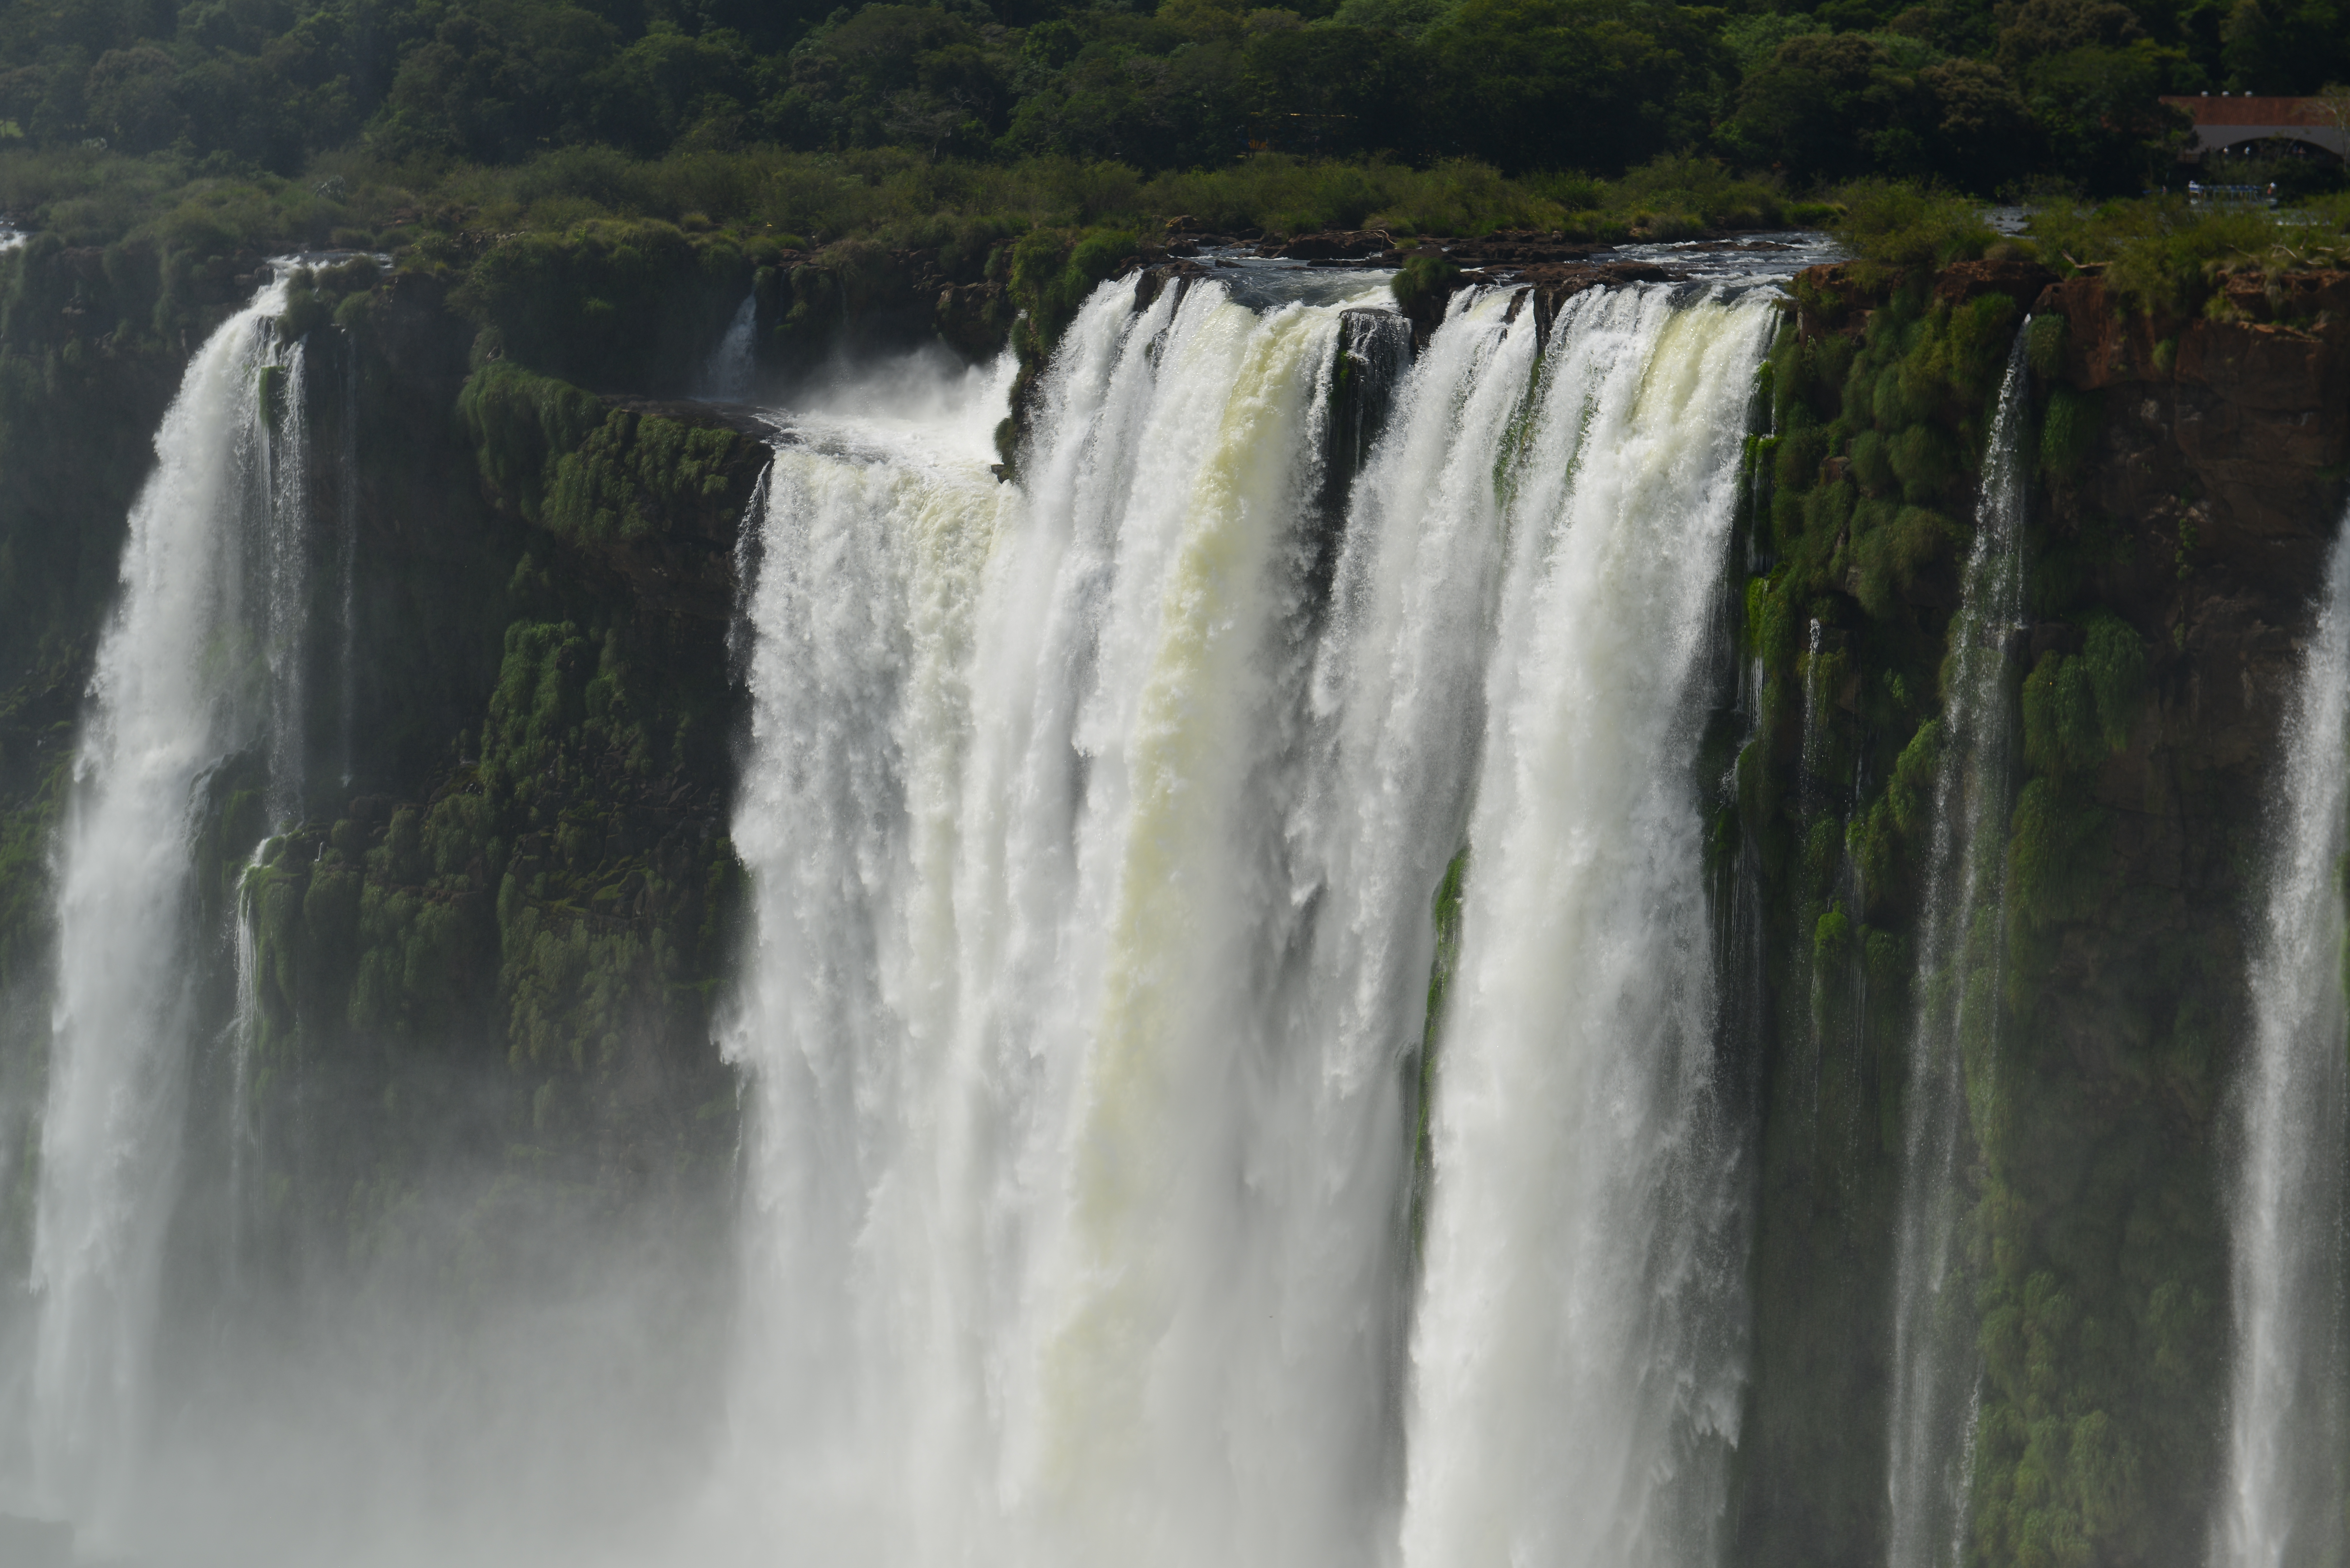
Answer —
2009 97
486 945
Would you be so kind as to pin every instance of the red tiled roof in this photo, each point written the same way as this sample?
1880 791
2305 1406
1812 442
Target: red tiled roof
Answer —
2216 111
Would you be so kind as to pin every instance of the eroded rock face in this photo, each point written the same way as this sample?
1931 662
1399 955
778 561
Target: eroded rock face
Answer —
2187 478
2020 280
686 471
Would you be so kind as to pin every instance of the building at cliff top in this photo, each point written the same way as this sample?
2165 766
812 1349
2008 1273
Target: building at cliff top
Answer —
2226 122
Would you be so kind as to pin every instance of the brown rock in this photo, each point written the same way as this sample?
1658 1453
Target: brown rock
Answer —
1332 246
2262 367
2020 280
2096 345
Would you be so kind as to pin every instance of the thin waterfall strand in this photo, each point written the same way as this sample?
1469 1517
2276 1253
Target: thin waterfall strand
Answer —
1093 864
2288 1451
1958 987
346 553
731 365
279 570
187 675
1576 1375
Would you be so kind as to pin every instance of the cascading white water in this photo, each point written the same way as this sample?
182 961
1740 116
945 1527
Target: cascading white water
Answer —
200 662
1957 983
277 567
728 372
1810 805
1577 1367
1093 861
1017 907
347 555
2288 1452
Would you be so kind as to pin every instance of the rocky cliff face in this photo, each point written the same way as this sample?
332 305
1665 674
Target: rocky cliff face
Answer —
489 952
2188 479
486 960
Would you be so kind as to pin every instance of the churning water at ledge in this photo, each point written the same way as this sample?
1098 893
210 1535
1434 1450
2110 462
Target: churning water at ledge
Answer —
1576 1368
1094 823
2288 1449
1952 1038
198 664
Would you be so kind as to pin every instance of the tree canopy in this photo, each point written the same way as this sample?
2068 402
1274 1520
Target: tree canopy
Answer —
1982 96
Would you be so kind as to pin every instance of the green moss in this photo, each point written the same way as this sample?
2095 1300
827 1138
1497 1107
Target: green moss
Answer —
1871 464
530 889
2061 732
2090 1043
522 425
1051 273
2067 429
2114 656
1419 278
1797 461
1925 459
1888 557
1910 792
2056 858
1897 228
633 470
586 472
608 301
2044 346
1831 938
1444 912
2078 710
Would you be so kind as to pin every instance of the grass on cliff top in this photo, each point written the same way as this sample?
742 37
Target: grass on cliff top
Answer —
2164 257
1899 227
94 198
2160 254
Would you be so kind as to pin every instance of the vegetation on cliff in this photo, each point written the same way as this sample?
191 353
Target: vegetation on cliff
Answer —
501 935
503 954
1975 93
2184 376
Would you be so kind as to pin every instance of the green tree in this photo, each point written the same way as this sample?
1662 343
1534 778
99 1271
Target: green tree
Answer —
1597 85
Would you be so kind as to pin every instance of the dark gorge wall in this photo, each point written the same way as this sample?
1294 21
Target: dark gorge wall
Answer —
487 955
487 958
2186 481
496 941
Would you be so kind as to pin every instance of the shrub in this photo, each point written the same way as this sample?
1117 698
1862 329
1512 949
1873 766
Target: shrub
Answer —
2044 346
1897 228
2165 257
2057 858
1421 282
2067 429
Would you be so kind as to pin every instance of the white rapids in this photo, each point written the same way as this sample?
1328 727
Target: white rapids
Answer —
1950 1046
2287 1445
200 662
1093 851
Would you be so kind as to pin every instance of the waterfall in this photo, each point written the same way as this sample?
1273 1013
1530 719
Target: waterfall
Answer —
346 553
2287 1448
728 372
200 662
1095 824
1812 810
1576 1370
244 1129
1959 950
277 565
